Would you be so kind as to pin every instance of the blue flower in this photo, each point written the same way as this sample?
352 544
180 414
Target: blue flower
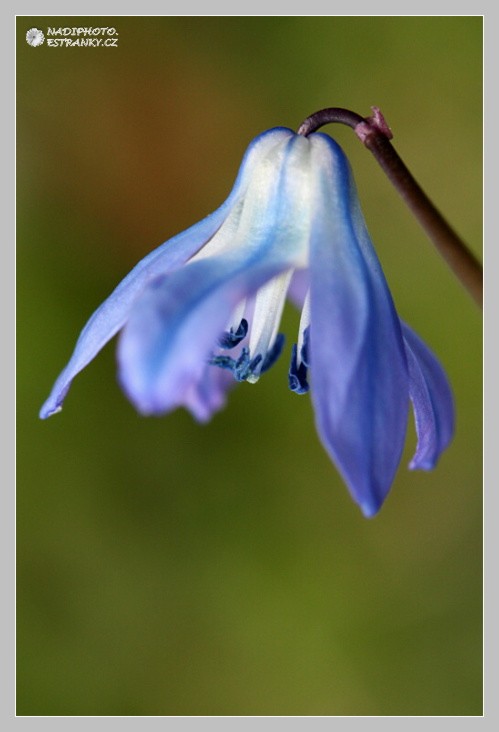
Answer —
204 310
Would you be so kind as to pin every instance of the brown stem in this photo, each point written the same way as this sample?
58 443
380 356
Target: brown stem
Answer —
375 134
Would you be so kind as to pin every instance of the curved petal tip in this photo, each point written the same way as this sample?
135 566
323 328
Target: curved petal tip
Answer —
47 411
432 400
370 507
53 405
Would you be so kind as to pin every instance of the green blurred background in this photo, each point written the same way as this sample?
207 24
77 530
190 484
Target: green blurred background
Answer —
167 568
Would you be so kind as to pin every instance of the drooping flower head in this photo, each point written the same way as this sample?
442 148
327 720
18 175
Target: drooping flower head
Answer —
204 310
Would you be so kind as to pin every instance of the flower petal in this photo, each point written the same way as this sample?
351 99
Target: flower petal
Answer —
166 344
358 366
112 314
299 287
432 402
176 324
208 395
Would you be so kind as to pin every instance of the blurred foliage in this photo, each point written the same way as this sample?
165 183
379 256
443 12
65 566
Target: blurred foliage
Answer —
167 568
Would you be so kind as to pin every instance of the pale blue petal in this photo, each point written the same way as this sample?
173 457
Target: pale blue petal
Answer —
298 288
357 358
112 314
164 349
209 394
176 324
432 401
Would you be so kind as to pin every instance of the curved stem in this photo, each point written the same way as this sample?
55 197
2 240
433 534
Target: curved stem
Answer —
375 134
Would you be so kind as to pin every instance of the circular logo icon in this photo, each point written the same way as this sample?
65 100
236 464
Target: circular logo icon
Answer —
34 37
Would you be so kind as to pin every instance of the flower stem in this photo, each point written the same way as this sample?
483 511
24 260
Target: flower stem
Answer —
375 134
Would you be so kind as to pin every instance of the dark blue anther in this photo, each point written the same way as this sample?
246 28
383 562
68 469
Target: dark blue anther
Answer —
231 338
274 353
241 368
297 376
245 367
223 362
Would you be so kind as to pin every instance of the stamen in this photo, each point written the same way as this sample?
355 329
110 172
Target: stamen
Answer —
273 354
297 376
242 368
304 350
303 331
269 304
246 368
232 338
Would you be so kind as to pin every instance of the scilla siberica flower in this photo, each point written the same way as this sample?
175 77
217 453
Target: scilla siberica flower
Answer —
205 307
